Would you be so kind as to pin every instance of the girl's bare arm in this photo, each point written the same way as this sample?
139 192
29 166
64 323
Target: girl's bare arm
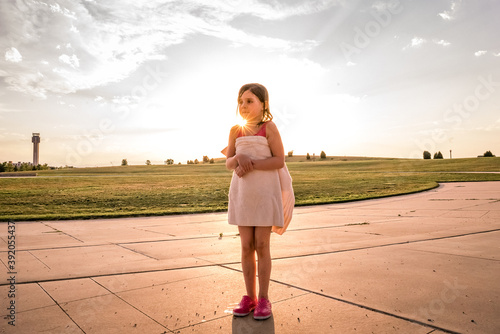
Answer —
236 160
277 161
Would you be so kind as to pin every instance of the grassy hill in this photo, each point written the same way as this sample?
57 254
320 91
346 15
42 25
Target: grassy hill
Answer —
83 193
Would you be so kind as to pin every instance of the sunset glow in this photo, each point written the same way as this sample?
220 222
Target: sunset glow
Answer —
104 81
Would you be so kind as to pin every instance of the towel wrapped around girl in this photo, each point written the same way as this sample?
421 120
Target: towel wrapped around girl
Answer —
261 197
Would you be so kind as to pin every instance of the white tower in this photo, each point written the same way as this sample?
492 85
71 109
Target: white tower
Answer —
36 143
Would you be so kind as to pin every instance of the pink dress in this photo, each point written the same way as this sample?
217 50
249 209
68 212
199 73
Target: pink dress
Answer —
261 197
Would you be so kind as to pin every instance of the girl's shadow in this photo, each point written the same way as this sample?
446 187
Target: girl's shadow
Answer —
248 325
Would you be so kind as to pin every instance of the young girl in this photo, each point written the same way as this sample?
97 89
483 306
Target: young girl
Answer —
260 196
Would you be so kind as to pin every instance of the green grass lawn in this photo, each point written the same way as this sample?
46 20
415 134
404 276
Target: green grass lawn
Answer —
84 193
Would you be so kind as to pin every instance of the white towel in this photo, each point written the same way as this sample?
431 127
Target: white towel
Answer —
260 198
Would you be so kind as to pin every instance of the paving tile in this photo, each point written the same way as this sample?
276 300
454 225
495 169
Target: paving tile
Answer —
110 314
190 248
73 290
50 319
27 297
404 264
300 315
81 261
199 295
450 290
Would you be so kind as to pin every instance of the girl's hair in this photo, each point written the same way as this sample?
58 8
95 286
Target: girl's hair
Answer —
263 96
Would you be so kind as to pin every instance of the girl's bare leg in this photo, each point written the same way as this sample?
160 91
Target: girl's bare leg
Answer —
262 246
247 236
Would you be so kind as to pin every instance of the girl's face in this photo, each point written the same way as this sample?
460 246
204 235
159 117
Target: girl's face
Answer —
251 109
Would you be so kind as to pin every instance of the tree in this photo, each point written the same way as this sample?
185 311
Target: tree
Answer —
488 154
205 159
308 157
290 153
148 162
124 162
196 161
427 155
169 162
212 161
438 155
322 155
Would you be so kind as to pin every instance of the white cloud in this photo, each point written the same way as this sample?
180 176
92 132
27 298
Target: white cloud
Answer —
64 11
113 38
391 5
442 42
126 100
416 42
449 15
13 55
445 16
480 53
274 10
72 61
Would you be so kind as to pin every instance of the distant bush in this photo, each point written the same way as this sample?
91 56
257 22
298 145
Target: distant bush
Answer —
169 162
322 155
438 155
290 154
124 162
488 154
427 155
148 162
308 157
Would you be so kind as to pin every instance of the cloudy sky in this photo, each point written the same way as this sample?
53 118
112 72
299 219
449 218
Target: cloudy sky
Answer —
158 79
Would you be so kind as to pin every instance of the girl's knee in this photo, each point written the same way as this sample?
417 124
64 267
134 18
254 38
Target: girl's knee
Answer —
262 247
248 248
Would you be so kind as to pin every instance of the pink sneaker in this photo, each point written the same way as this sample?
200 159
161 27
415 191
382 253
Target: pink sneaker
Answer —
246 306
263 310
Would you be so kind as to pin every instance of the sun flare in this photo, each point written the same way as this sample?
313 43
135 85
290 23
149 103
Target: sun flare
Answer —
241 121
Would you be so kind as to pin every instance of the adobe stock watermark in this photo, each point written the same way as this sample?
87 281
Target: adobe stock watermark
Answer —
382 18
310 264
94 138
282 118
450 292
455 115
11 273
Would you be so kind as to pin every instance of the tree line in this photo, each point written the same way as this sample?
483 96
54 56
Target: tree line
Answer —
206 159
25 166
308 156
439 155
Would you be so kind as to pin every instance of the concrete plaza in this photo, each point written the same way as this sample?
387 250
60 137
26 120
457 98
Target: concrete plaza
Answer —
421 263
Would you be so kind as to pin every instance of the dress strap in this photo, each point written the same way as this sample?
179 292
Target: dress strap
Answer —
261 132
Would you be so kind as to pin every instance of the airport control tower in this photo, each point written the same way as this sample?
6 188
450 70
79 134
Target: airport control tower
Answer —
36 143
